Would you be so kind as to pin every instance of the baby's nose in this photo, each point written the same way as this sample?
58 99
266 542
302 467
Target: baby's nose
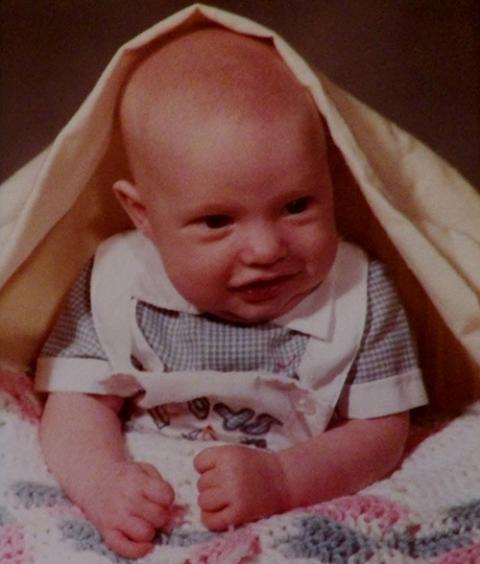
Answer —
263 245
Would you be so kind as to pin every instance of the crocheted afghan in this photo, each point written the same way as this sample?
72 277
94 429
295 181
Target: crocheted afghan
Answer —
427 511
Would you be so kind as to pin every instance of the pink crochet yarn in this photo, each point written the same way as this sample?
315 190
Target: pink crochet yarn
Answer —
20 387
467 555
12 545
231 547
367 508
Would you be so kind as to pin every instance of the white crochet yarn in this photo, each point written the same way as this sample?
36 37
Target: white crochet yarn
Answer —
443 471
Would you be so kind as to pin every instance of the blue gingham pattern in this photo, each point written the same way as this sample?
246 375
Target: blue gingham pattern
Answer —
74 334
387 347
189 342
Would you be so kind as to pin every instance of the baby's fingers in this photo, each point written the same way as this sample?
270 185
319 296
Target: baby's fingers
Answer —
206 460
122 545
219 520
138 529
159 492
212 499
156 489
154 513
209 480
149 469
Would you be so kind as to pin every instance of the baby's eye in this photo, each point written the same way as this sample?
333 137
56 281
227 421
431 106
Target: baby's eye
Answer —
217 221
299 205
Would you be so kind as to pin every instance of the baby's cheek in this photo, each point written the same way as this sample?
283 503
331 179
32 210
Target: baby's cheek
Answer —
321 260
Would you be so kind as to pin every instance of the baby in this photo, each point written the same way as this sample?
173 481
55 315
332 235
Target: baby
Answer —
263 329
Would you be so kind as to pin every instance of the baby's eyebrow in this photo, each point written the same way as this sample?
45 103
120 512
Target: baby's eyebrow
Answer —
209 206
201 210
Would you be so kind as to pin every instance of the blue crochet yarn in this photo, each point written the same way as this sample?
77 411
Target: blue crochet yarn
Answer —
454 532
327 541
86 537
5 516
182 538
427 546
467 515
32 494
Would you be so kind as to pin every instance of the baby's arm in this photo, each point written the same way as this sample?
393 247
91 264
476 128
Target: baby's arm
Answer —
238 484
83 444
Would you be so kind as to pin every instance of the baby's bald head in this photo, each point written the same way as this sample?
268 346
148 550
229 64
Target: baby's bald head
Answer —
208 74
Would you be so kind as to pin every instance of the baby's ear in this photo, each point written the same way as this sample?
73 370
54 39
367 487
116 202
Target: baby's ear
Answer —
130 199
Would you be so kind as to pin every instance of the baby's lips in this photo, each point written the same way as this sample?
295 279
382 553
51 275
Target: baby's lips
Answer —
259 281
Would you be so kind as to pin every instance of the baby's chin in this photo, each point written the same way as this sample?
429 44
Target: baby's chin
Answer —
246 314
253 319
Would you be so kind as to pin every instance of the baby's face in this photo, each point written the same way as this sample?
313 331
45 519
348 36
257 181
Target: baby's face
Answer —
242 215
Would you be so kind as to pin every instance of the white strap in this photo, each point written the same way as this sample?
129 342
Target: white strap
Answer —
326 364
57 374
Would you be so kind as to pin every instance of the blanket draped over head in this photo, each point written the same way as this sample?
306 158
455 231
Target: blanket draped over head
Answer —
395 197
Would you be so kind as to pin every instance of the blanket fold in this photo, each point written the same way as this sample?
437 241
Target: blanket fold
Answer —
395 197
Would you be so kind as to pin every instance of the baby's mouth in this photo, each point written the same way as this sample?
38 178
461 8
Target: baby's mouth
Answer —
262 290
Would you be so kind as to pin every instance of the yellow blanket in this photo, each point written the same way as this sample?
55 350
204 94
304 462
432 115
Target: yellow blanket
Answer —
394 196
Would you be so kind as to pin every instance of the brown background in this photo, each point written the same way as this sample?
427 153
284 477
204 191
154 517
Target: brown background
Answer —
415 61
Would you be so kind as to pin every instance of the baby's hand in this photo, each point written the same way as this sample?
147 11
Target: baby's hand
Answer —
129 502
238 484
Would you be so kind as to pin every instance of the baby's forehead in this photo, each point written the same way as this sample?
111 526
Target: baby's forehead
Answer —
209 71
212 58
206 78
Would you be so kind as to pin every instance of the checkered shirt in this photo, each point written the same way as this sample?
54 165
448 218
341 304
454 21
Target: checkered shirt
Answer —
202 342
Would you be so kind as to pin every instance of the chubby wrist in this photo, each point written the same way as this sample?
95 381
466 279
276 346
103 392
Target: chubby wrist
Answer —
284 482
85 487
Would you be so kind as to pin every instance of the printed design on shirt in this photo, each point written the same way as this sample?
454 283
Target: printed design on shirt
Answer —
244 420
204 434
199 407
249 441
162 415
261 425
